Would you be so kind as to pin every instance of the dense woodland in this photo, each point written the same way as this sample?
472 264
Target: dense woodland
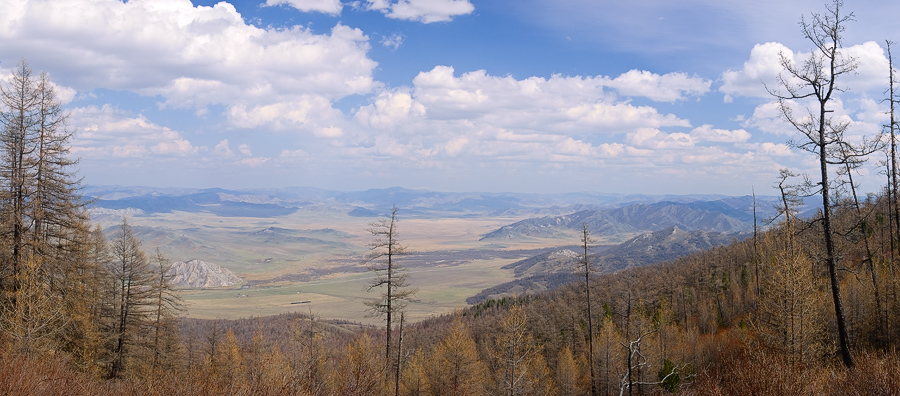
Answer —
805 306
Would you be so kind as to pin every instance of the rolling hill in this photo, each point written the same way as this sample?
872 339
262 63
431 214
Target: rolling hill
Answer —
553 269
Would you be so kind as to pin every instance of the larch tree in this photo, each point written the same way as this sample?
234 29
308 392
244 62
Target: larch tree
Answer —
455 367
358 372
19 100
815 80
514 347
133 298
168 305
390 277
569 374
43 220
790 322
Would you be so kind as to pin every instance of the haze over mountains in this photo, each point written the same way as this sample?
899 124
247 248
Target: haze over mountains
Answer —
423 203
279 242
557 267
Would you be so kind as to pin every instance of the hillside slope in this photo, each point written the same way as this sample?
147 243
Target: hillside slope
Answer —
712 216
553 269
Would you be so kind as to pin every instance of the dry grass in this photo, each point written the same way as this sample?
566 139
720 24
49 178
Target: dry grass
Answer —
736 368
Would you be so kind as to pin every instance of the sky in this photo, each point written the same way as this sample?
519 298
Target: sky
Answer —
639 96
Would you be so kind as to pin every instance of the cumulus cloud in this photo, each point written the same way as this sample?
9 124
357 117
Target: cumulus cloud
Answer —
332 7
661 88
774 149
710 134
223 149
425 11
764 66
101 132
304 112
760 70
390 108
190 56
655 139
177 146
63 94
566 103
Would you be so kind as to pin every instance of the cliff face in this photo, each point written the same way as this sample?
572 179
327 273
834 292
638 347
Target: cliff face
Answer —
198 274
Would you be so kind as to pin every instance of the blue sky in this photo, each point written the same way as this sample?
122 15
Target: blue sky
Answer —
640 96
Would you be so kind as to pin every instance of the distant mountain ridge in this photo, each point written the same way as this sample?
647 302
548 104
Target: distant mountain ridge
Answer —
713 216
553 269
413 203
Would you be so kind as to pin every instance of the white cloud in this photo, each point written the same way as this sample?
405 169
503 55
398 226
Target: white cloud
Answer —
870 110
559 104
872 71
455 146
661 88
254 161
329 132
293 155
390 108
425 11
775 149
710 134
393 41
655 139
764 67
108 131
190 56
331 7
760 70
177 146
305 112
223 149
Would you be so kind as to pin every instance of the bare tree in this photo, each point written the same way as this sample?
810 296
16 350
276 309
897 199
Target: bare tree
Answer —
891 164
385 251
18 119
816 79
586 242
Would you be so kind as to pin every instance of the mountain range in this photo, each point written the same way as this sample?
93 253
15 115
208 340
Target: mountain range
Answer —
726 216
270 203
552 269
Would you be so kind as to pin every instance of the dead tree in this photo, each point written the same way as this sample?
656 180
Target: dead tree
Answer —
586 266
385 251
816 79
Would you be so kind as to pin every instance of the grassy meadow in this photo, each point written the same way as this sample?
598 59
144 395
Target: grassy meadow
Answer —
316 259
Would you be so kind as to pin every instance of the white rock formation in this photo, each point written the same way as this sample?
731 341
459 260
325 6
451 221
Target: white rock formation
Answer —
198 274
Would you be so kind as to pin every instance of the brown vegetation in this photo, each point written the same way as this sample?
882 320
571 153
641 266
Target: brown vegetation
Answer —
82 316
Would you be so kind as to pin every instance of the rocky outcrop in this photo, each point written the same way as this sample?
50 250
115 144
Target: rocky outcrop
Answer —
198 274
